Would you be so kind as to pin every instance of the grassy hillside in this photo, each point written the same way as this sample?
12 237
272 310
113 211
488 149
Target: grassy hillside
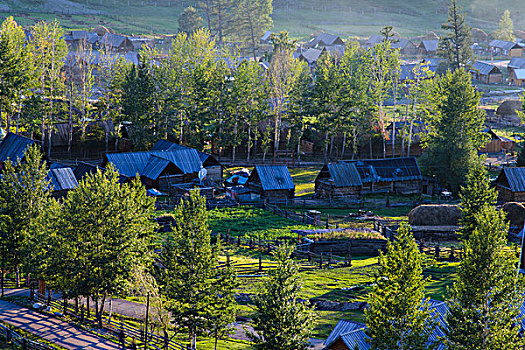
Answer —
300 17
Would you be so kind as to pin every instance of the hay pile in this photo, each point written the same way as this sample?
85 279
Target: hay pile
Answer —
430 36
509 107
101 30
435 215
515 213
479 35
519 34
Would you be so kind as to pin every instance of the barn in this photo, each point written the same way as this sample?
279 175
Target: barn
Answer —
497 143
338 180
273 182
13 148
486 73
510 184
213 167
398 175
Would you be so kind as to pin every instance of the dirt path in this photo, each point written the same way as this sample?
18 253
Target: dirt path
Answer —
49 328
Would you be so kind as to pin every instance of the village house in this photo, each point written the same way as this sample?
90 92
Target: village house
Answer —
510 184
396 175
405 47
373 41
428 47
325 40
265 38
515 63
486 73
13 147
497 143
338 181
517 77
214 169
77 38
116 43
161 170
505 48
272 182
311 56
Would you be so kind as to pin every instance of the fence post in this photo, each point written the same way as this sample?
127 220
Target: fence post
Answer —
227 261
349 253
437 251
321 261
238 241
260 263
24 343
452 257
327 221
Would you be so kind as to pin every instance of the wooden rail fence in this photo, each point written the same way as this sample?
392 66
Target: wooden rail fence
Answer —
11 336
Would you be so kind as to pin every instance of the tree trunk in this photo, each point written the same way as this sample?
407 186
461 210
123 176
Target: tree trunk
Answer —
343 147
326 148
17 277
249 143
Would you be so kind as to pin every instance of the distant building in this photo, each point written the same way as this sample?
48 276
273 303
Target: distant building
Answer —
272 182
505 48
116 43
324 40
497 143
517 77
265 39
428 47
511 185
338 181
311 56
515 63
405 47
486 73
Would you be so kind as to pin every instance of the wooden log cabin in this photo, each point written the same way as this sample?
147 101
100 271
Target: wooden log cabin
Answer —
338 181
397 175
497 143
273 182
161 170
213 167
510 184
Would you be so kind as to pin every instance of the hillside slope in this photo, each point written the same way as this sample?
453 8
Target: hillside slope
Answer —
300 17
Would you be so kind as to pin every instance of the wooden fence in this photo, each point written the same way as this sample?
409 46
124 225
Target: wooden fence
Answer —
11 336
119 330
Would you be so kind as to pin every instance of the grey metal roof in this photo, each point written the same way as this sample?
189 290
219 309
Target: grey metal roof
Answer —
266 36
14 147
430 45
344 174
502 44
485 68
516 63
515 178
356 339
311 55
129 164
187 160
114 40
520 73
62 179
273 177
342 327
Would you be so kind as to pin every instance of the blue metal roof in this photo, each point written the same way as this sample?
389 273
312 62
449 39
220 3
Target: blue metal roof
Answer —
14 147
165 145
133 163
389 169
342 327
62 179
515 178
155 167
273 177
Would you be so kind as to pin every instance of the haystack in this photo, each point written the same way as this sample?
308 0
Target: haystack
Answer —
515 213
101 30
509 108
479 35
520 34
435 215
430 36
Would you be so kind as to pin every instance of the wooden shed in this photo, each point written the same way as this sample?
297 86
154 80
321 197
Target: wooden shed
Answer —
517 77
338 181
497 143
510 184
273 182
486 73
398 175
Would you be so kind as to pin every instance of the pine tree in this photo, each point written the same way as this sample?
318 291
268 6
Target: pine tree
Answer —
456 46
476 195
252 19
282 321
455 130
397 315
484 308
189 20
196 292
506 28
